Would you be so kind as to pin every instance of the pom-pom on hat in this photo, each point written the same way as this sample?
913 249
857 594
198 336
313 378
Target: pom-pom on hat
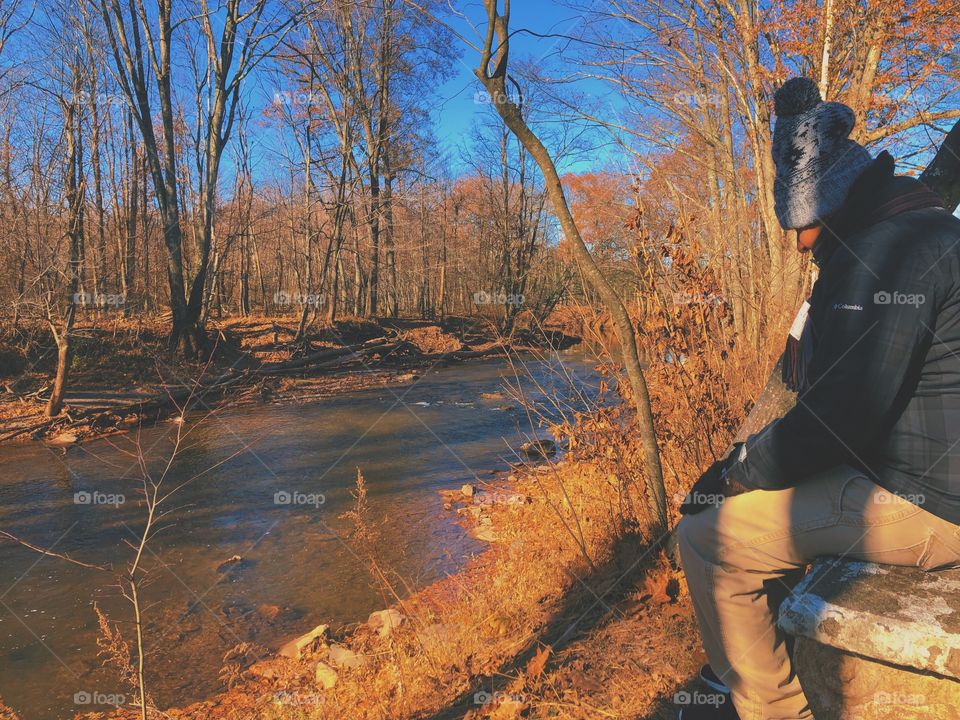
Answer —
816 161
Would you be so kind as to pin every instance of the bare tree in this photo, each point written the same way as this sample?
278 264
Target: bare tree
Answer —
61 324
231 54
494 80
141 41
10 24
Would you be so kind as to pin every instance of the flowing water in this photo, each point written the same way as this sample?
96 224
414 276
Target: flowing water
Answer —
267 484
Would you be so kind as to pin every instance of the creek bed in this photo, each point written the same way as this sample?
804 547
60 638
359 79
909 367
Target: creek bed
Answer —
267 484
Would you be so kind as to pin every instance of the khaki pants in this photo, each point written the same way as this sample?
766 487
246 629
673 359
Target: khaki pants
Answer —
744 557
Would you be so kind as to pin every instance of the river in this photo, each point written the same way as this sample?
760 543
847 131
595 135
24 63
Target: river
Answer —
267 484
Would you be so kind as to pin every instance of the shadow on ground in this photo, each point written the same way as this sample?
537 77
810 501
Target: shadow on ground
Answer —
586 606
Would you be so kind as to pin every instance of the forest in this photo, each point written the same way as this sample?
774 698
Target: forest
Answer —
130 185
211 209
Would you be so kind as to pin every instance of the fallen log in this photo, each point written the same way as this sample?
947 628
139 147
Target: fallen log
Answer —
101 400
318 356
16 432
326 358
471 354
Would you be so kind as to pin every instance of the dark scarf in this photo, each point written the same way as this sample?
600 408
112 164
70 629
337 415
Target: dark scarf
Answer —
877 195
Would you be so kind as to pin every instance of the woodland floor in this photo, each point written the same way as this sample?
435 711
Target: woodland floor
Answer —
122 374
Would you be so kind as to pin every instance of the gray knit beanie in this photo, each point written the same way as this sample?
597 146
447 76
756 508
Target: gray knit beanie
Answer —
816 161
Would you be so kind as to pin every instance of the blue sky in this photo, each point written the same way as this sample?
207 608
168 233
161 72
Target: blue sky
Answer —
457 108
457 104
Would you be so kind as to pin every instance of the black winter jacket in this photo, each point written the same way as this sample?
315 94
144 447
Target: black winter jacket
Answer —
883 378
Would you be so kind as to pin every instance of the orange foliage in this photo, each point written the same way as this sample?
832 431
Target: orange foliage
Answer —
601 203
911 37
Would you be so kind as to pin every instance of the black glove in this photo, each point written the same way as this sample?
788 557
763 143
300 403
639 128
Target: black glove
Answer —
712 488
707 491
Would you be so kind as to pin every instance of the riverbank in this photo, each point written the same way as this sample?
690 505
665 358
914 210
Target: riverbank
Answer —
297 568
122 375
570 613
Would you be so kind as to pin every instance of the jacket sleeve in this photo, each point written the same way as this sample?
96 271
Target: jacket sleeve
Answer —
873 322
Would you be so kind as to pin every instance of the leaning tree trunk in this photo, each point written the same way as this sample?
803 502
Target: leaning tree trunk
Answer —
495 84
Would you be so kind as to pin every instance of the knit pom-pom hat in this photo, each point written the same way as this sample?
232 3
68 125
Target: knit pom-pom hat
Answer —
816 161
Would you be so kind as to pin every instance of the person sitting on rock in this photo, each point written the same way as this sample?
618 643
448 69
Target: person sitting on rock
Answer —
866 465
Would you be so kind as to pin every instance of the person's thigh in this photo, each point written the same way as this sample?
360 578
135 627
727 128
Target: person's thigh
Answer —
883 527
838 512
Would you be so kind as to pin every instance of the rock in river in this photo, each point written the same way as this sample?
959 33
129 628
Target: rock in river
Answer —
228 563
539 449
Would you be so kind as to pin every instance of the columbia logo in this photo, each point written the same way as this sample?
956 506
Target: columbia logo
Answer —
846 306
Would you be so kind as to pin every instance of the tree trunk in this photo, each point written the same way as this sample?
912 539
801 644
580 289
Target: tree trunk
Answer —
374 227
127 240
75 201
495 85
63 340
308 228
393 306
